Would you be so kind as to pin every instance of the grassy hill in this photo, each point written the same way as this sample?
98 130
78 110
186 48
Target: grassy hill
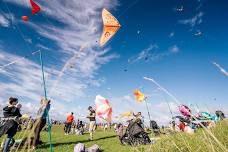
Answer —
201 141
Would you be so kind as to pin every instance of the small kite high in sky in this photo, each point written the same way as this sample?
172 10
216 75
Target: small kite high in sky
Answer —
103 108
111 26
25 18
35 7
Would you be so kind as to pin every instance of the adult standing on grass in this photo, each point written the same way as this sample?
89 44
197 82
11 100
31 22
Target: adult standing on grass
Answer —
92 121
11 117
69 122
40 121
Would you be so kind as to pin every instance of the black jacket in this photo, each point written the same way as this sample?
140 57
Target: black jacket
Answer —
11 112
9 126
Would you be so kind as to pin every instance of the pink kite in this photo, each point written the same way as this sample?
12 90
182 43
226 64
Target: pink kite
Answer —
185 110
103 108
35 7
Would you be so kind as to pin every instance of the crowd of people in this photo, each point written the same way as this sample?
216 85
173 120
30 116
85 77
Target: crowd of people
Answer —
133 133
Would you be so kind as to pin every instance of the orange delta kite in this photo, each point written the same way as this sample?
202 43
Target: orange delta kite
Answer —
111 26
139 96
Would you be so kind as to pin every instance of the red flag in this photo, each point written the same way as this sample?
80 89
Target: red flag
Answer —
35 7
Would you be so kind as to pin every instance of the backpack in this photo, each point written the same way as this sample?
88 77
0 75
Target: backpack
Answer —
79 147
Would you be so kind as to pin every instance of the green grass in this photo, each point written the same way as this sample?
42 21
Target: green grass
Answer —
198 142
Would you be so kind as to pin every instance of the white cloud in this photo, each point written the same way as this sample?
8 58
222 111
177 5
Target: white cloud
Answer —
80 24
4 20
152 53
174 49
195 20
144 54
171 34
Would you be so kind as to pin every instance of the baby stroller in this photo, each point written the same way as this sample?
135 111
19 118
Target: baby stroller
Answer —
135 134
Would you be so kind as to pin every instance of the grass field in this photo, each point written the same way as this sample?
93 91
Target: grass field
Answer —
198 142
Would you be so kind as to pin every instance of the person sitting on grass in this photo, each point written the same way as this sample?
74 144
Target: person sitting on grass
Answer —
11 115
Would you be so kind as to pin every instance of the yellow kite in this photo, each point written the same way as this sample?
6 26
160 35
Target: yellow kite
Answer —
111 26
126 114
139 96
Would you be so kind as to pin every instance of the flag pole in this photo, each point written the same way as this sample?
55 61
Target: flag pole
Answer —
147 108
45 95
168 106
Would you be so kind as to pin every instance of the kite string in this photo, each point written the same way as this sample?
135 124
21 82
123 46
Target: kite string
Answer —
130 6
18 60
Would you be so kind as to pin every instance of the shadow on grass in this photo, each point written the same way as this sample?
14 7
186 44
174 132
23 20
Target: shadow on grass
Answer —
69 143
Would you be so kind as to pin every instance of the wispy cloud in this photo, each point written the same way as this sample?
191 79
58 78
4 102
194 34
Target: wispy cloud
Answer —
174 49
171 34
152 53
79 23
193 21
5 20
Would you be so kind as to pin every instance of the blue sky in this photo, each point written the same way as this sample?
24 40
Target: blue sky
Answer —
176 48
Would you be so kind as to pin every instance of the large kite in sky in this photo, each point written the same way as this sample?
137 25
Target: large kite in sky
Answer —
111 26
103 108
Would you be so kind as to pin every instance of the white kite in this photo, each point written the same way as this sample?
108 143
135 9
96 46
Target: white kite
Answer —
103 108
222 70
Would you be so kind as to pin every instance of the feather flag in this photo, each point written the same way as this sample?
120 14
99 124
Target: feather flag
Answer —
111 26
139 96
103 108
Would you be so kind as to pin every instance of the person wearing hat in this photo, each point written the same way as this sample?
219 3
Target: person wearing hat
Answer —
92 121
40 121
11 116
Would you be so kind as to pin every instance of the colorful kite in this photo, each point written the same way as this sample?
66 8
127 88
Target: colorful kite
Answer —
139 96
206 115
35 7
103 108
111 26
185 110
